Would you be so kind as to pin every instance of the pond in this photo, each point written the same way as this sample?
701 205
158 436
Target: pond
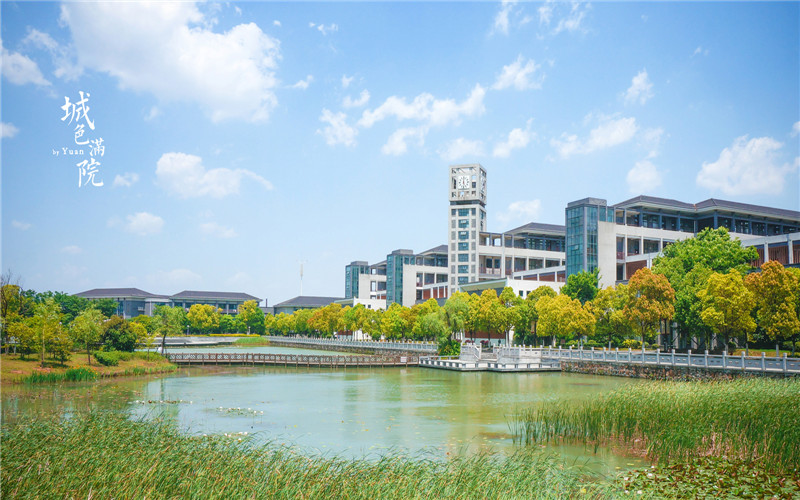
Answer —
353 412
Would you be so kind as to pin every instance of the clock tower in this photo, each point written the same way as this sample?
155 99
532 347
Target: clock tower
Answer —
466 221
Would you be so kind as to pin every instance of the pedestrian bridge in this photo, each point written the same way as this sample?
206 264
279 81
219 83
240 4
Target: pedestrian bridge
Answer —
309 360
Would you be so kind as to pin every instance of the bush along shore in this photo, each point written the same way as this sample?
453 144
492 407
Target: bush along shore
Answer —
744 421
75 368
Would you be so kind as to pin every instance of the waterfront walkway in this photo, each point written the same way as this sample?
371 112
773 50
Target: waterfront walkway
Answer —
259 359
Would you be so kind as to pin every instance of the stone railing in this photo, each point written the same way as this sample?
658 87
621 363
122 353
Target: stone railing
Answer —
423 347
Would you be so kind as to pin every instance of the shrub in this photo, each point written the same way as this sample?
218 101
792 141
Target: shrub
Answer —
631 344
80 374
107 358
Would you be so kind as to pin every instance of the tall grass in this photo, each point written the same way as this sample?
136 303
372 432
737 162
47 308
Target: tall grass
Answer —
104 455
751 419
252 341
80 374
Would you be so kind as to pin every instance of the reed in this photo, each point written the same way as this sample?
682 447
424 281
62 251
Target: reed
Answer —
80 374
252 341
750 419
105 455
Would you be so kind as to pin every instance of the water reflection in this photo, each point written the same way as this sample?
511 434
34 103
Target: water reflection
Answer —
353 412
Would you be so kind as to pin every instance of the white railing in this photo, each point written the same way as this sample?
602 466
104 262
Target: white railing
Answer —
470 352
662 358
426 347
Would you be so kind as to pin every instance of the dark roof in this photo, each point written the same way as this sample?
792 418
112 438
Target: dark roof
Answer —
746 207
710 204
103 293
307 301
439 249
538 227
652 200
198 295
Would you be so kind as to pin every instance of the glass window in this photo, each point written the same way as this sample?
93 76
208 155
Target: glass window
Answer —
463 269
463 223
463 257
463 212
759 228
687 225
463 235
462 246
462 280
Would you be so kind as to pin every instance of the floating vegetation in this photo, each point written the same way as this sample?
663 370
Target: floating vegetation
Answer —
161 402
239 411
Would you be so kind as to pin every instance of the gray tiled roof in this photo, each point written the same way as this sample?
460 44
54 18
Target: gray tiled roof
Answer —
103 293
200 295
439 249
711 204
652 200
538 227
307 301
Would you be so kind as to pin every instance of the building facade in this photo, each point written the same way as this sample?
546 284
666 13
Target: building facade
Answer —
132 302
617 240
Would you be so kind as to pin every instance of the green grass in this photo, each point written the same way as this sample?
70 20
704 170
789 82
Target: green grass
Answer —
104 455
747 419
80 374
251 341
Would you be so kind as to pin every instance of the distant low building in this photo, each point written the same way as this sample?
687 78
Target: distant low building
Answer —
228 302
303 302
131 302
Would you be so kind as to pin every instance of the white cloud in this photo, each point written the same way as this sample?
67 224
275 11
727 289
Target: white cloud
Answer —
641 89
644 177
167 49
356 103
795 129
612 132
8 130
425 108
63 57
144 223
501 21
127 179
747 167
650 139
337 131
517 139
518 76
276 23
700 51
154 113
20 69
22 226
185 176
572 22
397 144
347 80
175 279
240 281
459 148
303 84
331 28
217 230
521 210
72 249
545 14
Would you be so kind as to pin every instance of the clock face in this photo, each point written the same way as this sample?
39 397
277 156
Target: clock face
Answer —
463 182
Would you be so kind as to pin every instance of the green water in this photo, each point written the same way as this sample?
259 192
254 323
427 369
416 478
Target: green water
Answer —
353 412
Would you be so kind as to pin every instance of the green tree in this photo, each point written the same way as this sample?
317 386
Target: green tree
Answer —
252 316
582 285
776 290
510 311
687 264
526 327
227 323
607 307
456 310
169 321
108 307
14 306
650 300
727 305
326 320
203 318
301 318
49 333
118 335
394 324
269 323
87 329
563 317
420 311
284 323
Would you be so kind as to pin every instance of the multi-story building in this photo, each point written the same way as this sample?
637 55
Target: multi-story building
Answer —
617 240
621 239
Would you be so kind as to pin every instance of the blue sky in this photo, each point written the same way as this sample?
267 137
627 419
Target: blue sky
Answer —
242 138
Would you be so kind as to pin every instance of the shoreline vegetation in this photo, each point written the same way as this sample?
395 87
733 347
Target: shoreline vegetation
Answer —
749 419
106 454
15 370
